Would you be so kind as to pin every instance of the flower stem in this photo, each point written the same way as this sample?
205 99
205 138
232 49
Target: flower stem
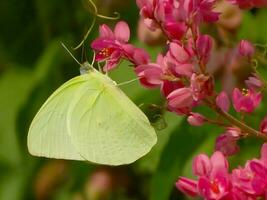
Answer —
235 122
247 129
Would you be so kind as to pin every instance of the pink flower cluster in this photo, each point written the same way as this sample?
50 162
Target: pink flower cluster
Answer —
171 72
182 75
112 46
216 183
245 101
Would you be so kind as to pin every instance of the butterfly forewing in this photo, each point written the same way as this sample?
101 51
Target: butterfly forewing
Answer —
109 128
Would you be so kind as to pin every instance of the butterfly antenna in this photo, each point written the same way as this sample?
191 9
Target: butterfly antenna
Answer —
66 48
83 56
128 82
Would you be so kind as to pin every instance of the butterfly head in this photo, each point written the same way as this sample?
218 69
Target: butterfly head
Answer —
86 68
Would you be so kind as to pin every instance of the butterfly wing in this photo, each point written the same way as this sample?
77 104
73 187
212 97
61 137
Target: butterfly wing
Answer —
110 129
48 135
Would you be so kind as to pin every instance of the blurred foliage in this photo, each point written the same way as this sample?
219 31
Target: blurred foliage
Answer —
33 64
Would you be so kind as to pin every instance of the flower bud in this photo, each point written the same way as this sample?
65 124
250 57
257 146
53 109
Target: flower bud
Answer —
264 153
179 53
234 132
187 186
254 83
226 144
201 165
175 30
223 101
196 119
263 126
201 86
180 98
204 46
246 48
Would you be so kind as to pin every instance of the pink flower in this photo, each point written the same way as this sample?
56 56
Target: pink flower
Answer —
175 30
201 10
180 98
217 184
254 83
259 182
214 180
169 86
187 186
196 119
242 178
169 15
252 179
202 86
223 102
227 142
246 48
179 53
166 14
263 158
108 46
201 165
203 47
237 194
135 55
246 101
150 75
147 9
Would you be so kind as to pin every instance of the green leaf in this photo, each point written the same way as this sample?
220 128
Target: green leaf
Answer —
15 86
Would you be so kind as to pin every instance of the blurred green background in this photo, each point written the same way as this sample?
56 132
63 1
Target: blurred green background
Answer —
33 64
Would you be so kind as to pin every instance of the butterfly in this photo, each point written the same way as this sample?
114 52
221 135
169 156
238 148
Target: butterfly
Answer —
89 118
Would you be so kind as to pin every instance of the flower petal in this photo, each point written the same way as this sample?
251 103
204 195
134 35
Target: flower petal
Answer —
122 32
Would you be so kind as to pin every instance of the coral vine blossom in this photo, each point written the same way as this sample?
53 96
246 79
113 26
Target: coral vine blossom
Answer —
216 182
112 46
246 101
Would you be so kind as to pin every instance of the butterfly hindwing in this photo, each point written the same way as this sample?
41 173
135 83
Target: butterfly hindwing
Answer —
48 135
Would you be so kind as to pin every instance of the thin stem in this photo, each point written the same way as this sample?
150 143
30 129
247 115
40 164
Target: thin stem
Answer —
86 35
235 122
247 129
216 122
